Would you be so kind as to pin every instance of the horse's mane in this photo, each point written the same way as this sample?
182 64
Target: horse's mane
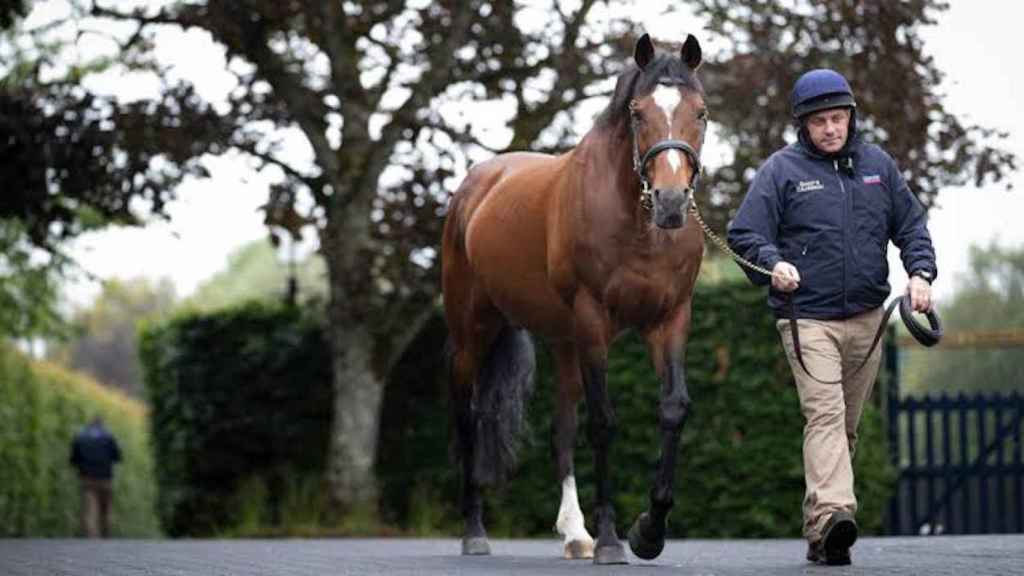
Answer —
633 82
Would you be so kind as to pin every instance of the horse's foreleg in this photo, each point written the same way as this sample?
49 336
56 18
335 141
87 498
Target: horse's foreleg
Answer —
647 535
601 429
592 329
577 542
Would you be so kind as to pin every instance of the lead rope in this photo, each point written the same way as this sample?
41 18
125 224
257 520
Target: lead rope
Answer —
717 240
722 245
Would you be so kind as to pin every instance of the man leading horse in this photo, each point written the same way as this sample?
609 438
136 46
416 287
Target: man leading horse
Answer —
820 214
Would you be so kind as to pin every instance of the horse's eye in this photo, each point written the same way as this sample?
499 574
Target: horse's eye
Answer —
702 116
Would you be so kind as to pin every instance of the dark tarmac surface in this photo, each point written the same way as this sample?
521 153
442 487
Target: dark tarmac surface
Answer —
960 555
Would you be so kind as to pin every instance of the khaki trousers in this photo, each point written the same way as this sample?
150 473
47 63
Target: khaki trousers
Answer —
831 349
94 515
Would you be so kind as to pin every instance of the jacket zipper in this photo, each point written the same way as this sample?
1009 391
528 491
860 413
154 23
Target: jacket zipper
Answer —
842 189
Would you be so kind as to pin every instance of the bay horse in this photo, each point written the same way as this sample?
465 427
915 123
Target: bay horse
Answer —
576 249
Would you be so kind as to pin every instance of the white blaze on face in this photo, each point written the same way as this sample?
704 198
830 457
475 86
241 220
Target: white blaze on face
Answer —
668 98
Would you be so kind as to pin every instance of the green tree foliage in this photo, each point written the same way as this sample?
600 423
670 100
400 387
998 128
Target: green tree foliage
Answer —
28 286
256 272
10 10
42 406
91 175
66 170
877 46
105 336
990 296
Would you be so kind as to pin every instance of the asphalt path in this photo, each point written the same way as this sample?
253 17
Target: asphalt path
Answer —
959 555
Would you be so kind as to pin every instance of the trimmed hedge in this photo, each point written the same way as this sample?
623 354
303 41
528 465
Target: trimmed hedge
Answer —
740 472
240 404
42 407
232 390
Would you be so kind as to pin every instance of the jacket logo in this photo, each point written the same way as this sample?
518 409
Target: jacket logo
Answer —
808 185
873 179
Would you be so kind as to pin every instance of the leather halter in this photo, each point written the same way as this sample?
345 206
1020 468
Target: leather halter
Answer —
640 162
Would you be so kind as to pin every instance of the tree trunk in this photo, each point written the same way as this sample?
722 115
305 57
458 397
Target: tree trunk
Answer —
358 380
358 391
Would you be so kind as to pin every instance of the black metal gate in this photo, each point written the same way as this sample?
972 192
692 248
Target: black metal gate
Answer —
960 460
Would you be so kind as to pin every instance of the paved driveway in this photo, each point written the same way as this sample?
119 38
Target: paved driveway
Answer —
963 556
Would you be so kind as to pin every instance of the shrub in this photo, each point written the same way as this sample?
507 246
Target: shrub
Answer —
242 395
42 406
241 403
740 470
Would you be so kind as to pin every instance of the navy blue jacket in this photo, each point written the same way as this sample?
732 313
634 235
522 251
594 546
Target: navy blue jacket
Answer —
94 452
832 217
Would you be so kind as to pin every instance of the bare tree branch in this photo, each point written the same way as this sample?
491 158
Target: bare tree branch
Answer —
269 159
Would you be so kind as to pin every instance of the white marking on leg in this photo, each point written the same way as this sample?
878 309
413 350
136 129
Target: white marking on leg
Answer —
668 98
570 520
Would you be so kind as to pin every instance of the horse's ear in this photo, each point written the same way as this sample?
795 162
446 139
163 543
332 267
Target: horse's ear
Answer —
691 53
643 53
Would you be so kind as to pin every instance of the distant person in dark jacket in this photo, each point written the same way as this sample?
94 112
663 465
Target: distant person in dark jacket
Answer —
820 214
94 451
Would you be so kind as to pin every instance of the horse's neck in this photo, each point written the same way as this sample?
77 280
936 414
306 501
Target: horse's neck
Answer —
604 166
604 200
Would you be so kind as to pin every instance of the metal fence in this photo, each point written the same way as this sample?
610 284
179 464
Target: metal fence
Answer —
960 460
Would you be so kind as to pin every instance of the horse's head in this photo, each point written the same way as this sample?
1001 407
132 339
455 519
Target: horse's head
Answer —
668 119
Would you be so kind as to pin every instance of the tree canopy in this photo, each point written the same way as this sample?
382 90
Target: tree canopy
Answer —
72 161
29 288
989 297
104 339
878 47
10 10
255 272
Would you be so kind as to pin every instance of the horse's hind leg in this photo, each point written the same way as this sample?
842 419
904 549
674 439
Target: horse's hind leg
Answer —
492 377
569 390
464 366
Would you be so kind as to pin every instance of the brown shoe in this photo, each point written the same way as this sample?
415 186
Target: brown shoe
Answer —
838 536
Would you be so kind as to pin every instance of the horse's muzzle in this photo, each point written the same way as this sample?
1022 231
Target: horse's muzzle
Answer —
670 208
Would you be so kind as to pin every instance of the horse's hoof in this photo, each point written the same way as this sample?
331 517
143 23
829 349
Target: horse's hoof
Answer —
644 546
476 546
610 554
579 549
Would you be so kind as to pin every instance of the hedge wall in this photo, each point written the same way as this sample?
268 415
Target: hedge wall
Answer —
740 474
41 408
241 406
239 397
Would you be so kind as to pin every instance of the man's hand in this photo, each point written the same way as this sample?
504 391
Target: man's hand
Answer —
785 277
920 292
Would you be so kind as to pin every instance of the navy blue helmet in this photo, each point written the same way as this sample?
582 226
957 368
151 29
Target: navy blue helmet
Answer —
820 89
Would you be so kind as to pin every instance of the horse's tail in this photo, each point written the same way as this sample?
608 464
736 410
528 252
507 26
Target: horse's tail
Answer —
504 385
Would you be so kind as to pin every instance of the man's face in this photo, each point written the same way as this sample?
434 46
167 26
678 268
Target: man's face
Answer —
829 129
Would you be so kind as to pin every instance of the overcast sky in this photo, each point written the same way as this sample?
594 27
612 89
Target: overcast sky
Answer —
975 44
